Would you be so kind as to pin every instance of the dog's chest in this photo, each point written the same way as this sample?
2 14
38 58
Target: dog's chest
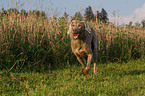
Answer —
80 48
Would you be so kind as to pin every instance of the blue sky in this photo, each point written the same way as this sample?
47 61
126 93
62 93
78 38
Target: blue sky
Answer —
125 10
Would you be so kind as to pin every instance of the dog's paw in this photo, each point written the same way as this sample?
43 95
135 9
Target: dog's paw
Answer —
88 74
85 71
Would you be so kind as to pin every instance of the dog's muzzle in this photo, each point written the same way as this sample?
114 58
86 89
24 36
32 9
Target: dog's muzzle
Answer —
75 33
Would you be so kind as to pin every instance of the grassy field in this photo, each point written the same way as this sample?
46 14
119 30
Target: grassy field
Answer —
113 79
36 58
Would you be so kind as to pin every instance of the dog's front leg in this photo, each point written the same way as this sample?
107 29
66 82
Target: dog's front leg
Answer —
88 64
82 61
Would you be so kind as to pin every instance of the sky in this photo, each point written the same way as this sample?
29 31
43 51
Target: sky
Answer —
125 10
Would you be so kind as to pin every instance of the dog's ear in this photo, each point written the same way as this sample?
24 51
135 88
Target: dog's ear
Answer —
87 27
69 30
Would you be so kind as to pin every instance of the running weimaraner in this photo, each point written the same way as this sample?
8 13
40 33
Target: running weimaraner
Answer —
83 43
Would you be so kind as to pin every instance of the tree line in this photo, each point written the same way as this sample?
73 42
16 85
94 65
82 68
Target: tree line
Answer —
89 15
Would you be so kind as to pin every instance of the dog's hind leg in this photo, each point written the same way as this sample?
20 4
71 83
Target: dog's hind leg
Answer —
95 61
95 53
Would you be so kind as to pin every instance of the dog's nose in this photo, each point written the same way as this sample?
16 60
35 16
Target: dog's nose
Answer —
75 29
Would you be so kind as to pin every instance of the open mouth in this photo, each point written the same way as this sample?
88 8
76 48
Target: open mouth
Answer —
75 36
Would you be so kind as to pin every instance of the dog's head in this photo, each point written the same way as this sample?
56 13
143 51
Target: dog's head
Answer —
76 28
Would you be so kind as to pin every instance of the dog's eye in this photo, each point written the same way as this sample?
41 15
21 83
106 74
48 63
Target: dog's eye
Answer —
73 25
79 25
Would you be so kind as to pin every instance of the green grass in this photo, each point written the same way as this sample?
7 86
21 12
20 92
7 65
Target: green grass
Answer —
113 79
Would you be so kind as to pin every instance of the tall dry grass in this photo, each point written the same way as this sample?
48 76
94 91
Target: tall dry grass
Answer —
32 39
29 40
122 43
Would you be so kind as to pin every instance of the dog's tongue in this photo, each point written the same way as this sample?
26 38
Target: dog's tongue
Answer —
75 36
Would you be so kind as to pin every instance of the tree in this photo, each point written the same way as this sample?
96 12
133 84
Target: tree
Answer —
143 23
38 13
89 15
137 24
23 12
65 15
78 16
99 16
102 16
130 24
10 11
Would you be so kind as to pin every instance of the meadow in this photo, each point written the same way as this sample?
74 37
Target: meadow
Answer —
36 58
113 79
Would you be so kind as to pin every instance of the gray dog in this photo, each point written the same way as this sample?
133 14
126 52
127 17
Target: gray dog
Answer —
83 43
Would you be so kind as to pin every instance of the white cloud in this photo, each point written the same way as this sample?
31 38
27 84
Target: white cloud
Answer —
137 16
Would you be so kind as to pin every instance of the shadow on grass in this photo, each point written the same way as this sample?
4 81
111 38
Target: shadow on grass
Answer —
135 72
